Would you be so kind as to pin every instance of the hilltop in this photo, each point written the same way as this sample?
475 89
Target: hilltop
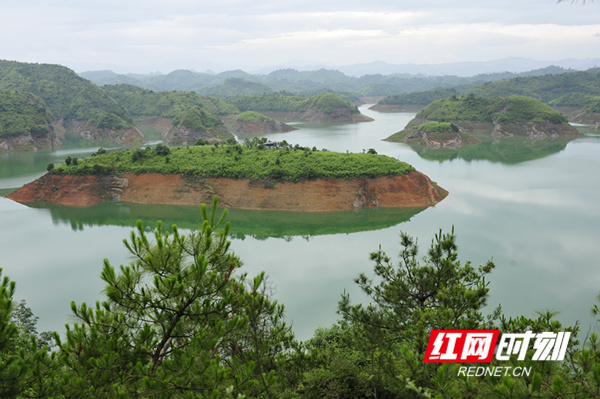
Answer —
458 120
74 102
575 93
327 107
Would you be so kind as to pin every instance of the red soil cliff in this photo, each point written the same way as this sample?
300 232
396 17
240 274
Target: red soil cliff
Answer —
413 190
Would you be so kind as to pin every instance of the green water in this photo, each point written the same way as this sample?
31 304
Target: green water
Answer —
534 210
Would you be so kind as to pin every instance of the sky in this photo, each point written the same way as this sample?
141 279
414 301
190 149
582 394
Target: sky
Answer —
147 36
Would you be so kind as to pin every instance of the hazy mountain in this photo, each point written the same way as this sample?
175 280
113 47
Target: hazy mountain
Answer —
464 69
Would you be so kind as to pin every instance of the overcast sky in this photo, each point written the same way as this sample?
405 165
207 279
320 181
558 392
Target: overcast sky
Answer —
154 35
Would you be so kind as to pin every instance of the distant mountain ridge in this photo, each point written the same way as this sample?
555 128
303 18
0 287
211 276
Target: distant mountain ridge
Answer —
307 83
467 68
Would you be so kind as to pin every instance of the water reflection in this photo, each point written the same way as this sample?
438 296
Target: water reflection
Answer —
507 150
256 224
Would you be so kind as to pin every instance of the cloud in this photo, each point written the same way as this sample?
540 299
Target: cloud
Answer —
242 34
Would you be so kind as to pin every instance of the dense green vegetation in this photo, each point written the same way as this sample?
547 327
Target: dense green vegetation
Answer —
241 162
23 113
196 119
285 102
471 121
71 98
511 109
438 127
566 89
237 87
278 102
142 102
329 102
420 98
593 107
66 94
183 320
99 110
251 116
555 88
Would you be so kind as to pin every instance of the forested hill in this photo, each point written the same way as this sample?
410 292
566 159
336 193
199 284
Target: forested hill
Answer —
573 89
22 113
419 99
576 93
569 89
25 122
453 121
511 109
68 96
328 107
142 102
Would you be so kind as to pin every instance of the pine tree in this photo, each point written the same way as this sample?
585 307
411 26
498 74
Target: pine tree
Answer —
179 321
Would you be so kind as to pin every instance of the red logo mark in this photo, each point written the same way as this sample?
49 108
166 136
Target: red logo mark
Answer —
461 346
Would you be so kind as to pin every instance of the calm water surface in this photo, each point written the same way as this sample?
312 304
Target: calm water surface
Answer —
536 216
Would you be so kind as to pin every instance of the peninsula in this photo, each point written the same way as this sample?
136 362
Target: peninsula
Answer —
261 175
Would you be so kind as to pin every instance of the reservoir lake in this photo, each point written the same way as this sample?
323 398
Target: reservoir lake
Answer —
533 208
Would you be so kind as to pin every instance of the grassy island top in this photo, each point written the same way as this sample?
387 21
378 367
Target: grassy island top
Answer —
252 161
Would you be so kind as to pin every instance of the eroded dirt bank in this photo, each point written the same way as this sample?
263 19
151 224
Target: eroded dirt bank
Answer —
323 195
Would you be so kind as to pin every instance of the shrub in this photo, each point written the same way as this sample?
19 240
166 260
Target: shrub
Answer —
162 149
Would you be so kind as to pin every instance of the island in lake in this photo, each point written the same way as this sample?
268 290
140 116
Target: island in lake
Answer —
260 175
457 121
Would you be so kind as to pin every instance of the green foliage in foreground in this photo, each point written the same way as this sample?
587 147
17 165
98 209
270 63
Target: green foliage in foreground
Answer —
183 321
241 162
512 109
23 113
